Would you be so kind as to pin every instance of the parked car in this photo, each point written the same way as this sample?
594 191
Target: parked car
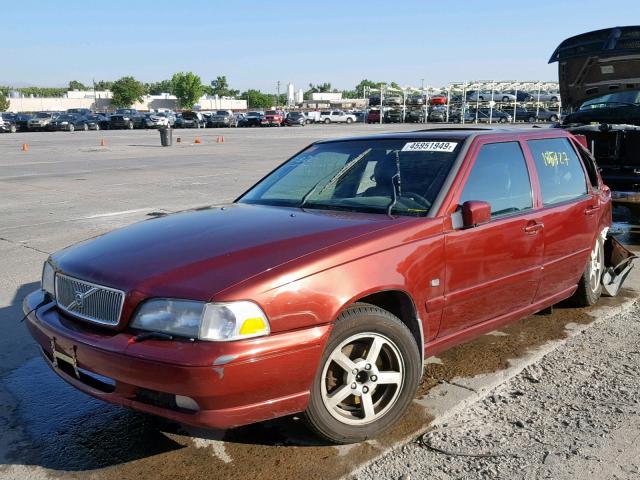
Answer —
295 118
437 115
336 116
251 119
97 121
272 118
128 118
155 120
361 117
222 118
599 86
520 95
438 100
395 115
191 119
545 96
41 120
392 100
546 115
20 120
230 315
373 116
313 117
69 122
169 115
415 100
485 96
7 124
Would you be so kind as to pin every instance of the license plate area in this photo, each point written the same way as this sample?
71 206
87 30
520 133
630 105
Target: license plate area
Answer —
69 365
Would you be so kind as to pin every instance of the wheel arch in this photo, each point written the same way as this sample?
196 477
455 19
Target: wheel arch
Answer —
401 304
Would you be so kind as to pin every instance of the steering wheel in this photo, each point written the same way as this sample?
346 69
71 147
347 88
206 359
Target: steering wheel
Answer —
420 198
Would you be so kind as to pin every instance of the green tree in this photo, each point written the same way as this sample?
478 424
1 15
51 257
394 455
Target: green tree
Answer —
4 103
103 85
127 91
220 87
76 85
163 86
187 87
257 99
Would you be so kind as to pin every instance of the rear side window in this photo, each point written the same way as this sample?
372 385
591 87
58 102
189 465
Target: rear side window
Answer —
500 177
559 170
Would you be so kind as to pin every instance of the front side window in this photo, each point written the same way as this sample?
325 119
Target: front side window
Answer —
560 171
362 176
499 176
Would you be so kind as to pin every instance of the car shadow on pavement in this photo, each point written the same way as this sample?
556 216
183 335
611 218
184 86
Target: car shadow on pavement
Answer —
46 422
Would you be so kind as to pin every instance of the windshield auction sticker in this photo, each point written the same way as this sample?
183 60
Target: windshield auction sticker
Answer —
429 147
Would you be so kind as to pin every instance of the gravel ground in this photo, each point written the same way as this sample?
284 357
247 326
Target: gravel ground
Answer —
574 414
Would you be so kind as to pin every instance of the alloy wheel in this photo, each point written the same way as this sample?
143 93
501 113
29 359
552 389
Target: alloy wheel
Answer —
362 378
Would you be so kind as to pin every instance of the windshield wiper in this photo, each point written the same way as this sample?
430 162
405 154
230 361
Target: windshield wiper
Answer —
344 170
396 183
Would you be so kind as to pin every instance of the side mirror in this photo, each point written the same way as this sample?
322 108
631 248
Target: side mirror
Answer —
475 213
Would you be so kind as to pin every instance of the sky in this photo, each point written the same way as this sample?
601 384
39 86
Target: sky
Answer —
258 43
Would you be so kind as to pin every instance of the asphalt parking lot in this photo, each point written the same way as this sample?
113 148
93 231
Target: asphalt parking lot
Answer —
66 188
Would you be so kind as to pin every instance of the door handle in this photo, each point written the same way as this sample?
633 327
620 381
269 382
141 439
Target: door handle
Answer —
592 210
533 227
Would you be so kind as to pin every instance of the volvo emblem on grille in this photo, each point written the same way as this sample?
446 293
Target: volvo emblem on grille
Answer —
79 297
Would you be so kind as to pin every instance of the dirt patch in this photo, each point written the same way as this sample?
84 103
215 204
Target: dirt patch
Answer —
490 353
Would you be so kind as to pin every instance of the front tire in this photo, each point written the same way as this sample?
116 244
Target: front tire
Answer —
71 127
590 285
367 376
327 121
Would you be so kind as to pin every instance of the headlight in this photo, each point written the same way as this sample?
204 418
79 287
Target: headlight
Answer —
48 279
204 321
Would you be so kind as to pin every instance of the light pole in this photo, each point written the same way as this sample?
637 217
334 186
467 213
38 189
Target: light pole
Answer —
278 97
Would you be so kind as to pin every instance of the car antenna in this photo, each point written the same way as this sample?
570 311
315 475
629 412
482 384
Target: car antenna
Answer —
395 182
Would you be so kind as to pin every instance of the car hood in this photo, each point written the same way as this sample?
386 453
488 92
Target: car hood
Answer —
596 63
198 253
623 114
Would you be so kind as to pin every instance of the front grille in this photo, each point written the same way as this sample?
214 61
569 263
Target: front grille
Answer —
89 301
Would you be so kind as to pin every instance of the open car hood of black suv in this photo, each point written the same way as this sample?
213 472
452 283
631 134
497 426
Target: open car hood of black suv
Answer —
596 63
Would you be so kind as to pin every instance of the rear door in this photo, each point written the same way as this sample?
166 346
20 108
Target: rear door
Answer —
493 269
570 213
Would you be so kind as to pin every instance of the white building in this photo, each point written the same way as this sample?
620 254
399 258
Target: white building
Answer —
326 96
291 99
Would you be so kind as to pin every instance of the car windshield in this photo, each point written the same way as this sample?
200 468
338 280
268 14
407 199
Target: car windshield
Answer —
374 176
189 115
271 112
631 97
222 112
43 115
66 117
122 111
295 115
254 114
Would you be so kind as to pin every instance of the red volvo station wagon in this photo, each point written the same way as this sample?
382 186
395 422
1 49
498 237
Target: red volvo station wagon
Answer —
323 287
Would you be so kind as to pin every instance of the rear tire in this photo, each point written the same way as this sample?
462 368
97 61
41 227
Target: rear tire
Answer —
590 285
349 120
367 376
71 127
327 121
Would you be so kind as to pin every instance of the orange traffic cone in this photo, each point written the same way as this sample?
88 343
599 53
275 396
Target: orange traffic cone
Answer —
25 147
103 142
220 139
197 140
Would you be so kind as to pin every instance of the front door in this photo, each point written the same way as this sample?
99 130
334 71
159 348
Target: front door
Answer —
494 268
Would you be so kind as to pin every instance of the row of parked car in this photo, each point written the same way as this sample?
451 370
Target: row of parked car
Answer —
471 96
471 115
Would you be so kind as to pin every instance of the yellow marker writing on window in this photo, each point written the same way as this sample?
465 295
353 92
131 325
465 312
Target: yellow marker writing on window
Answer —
553 159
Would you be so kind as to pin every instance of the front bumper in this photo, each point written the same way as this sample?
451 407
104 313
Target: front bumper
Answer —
232 383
